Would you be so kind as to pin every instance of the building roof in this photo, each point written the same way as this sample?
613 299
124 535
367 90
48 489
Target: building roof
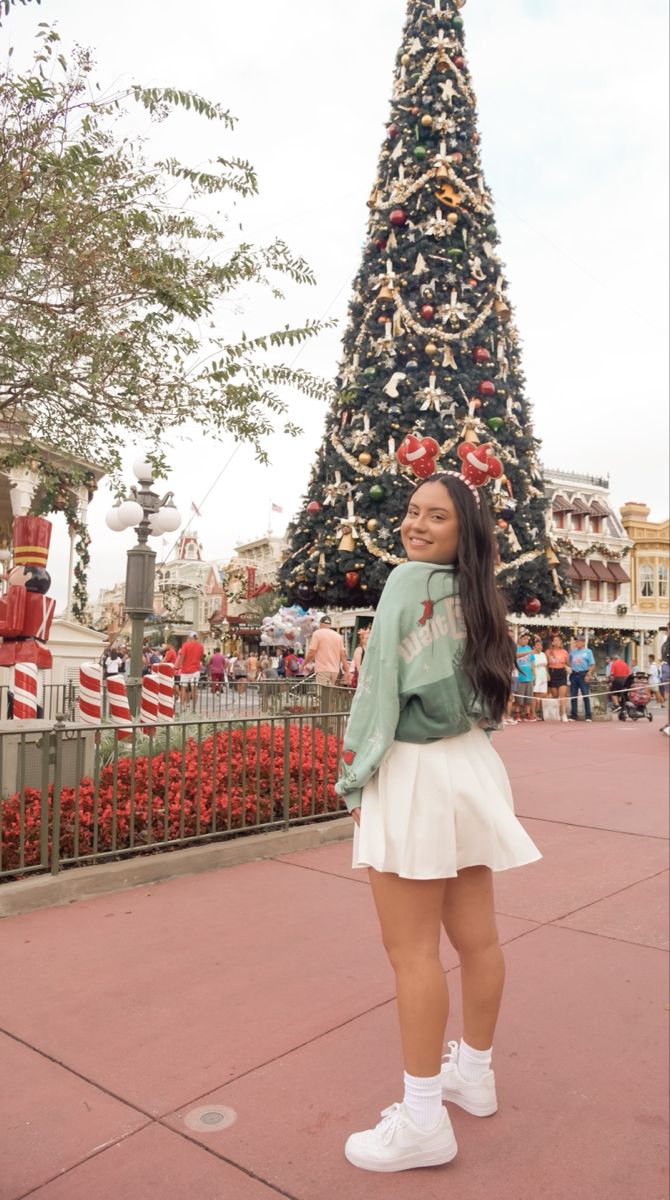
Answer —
599 510
620 575
602 571
581 570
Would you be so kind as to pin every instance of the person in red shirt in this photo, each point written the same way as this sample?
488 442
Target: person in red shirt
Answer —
191 656
618 674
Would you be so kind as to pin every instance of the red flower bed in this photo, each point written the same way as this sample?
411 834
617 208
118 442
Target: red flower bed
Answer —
241 774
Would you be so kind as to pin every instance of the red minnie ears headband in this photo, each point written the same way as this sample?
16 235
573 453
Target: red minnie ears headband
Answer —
479 462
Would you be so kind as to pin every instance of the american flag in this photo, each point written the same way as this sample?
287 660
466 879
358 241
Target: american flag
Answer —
277 508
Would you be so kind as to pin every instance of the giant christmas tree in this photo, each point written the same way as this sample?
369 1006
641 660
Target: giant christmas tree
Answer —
430 351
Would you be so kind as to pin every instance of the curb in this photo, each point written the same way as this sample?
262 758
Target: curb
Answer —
84 883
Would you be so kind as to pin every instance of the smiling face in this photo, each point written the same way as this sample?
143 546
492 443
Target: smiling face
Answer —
431 528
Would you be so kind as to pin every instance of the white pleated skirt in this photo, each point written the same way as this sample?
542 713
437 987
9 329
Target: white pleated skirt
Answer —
431 810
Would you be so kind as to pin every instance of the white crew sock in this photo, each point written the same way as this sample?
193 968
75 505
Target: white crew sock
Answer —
423 1100
473 1064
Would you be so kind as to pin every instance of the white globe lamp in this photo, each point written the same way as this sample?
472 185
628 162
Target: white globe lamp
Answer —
113 520
170 518
143 470
131 513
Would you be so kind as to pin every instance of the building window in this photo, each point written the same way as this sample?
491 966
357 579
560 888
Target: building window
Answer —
559 520
596 524
612 592
595 590
577 522
646 580
663 581
578 589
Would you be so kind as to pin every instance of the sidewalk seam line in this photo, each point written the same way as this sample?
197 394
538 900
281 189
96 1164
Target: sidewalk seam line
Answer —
655 837
611 938
591 903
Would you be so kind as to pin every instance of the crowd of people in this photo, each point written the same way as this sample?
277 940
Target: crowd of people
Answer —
548 670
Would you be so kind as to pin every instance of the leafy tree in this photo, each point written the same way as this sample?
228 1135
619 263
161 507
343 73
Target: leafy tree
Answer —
6 5
111 298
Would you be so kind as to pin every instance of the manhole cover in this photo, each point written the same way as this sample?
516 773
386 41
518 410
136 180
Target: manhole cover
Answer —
211 1119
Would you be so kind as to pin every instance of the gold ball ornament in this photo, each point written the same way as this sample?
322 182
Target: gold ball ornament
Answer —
426 120
372 525
452 218
431 349
365 459
406 60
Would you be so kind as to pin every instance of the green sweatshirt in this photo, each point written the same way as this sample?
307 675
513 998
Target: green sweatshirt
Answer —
412 687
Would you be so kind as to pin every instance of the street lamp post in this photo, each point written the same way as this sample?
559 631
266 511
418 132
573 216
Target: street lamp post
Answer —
150 516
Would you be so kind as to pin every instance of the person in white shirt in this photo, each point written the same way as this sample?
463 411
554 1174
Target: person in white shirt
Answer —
113 664
540 677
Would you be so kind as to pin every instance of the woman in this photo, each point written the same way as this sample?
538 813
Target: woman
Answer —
433 810
557 662
540 677
359 655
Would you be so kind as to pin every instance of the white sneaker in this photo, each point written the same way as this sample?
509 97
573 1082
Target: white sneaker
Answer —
397 1144
477 1098
564 717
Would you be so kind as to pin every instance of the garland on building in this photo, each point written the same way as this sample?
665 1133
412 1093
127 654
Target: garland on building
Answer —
568 548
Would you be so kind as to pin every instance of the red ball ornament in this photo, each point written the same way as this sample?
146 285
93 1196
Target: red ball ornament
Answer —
313 506
380 244
393 131
480 355
352 579
398 218
427 312
532 607
459 62
487 388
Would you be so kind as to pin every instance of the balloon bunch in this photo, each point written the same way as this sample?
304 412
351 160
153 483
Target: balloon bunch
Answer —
289 627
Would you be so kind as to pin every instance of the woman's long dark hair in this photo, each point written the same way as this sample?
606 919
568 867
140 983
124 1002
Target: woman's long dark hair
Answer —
490 656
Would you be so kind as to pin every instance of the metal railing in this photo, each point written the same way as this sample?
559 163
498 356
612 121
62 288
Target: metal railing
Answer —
270 696
72 795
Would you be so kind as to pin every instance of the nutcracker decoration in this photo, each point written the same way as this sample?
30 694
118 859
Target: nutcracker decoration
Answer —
26 612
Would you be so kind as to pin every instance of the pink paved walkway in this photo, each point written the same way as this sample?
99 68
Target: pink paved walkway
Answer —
263 990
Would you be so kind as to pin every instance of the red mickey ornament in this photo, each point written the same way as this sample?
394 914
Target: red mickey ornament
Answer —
419 455
479 463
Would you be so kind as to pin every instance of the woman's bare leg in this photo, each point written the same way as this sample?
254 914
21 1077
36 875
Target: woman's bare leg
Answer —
470 924
410 913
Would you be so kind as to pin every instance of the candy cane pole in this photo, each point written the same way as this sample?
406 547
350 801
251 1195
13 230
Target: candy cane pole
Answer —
165 673
90 693
25 692
149 703
119 709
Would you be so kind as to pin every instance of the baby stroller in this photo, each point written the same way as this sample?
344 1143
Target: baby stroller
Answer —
635 698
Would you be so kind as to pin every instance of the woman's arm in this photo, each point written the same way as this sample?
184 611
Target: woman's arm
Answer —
374 713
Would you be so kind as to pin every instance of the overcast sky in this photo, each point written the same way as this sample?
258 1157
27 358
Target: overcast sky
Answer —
572 107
